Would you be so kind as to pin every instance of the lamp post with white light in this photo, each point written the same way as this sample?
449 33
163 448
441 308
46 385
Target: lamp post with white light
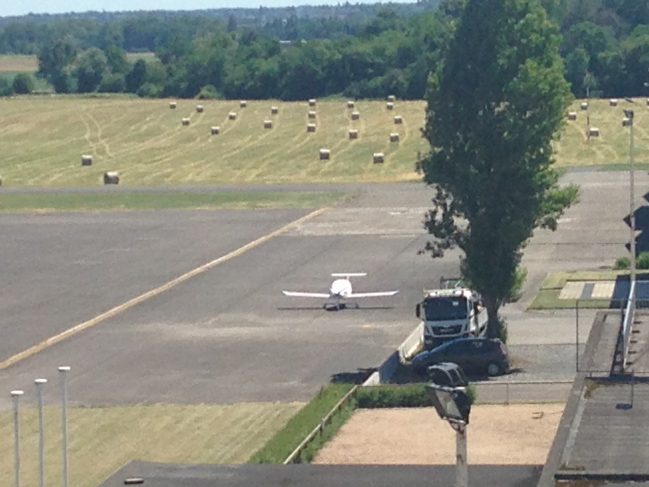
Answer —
628 122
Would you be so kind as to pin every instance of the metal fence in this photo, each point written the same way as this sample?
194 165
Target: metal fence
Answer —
529 391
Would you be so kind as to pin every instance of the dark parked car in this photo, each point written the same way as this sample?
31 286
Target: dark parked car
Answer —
475 355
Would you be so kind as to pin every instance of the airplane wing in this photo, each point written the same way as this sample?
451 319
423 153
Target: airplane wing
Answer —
306 295
372 295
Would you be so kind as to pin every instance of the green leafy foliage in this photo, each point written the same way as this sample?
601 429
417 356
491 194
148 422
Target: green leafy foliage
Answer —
23 84
622 263
493 110
642 262
6 88
400 396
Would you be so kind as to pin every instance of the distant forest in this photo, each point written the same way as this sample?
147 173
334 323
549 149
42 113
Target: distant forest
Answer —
353 50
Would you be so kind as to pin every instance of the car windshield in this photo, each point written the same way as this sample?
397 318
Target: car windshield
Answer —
444 309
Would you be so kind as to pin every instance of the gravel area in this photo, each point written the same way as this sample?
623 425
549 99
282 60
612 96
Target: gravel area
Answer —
497 435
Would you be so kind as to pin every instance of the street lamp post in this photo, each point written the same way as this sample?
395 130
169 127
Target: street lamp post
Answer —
16 395
64 421
628 122
41 431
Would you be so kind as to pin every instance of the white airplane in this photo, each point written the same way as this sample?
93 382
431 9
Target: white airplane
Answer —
340 289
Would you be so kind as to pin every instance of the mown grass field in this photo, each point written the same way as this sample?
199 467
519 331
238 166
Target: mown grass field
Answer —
102 440
26 63
18 63
612 146
43 139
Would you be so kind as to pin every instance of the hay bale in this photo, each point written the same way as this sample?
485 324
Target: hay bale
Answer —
353 134
274 110
584 106
310 127
324 154
398 120
243 104
172 105
311 102
111 177
232 116
389 105
378 158
350 104
268 124
185 121
215 130
312 114
392 98
593 132
86 160
612 102
626 122
199 108
356 115
572 115
394 137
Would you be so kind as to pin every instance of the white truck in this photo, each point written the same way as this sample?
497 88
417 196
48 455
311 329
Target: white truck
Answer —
451 313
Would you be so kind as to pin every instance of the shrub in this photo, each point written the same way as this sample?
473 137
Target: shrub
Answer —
622 263
5 87
208 93
112 83
642 262
23 84
149 90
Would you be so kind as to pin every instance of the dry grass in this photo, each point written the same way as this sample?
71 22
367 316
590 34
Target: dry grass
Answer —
416 436
612 145
144 141
103 439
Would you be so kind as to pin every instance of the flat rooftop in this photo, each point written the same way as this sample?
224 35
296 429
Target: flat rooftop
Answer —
602 438
159 475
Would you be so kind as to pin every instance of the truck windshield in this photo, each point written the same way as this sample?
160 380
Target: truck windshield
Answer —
444 309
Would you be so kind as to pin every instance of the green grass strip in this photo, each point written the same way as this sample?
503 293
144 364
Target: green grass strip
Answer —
44 202
548 295
282 444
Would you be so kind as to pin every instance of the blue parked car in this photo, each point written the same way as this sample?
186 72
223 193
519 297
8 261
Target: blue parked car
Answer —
477 355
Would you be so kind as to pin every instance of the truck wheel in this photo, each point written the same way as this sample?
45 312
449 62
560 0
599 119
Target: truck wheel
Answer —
493 369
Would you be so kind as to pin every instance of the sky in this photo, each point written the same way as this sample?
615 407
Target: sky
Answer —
23 7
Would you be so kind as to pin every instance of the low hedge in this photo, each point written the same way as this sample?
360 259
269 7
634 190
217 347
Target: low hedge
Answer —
399 396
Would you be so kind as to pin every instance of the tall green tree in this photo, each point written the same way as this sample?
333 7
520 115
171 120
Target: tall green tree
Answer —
54 61
91 67
493 110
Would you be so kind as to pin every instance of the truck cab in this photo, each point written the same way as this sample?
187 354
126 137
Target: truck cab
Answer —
451 313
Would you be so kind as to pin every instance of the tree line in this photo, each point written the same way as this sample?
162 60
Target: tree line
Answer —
605 48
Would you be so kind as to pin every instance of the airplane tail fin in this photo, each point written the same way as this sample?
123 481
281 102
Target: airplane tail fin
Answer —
347 275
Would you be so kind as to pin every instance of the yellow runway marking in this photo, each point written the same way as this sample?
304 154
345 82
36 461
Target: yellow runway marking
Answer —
154 292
